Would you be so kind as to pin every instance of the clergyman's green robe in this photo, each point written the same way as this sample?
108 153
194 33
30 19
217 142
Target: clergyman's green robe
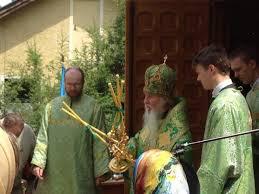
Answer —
252 99
69 154
227 165
174 130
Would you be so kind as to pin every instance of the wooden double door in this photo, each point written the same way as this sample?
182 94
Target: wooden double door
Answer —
178 29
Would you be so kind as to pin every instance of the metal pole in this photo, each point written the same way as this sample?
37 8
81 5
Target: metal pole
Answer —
181 148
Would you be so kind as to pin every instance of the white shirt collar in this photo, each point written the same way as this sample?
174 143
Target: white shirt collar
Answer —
220 86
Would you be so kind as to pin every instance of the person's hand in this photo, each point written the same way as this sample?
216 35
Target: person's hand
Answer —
38 172
102 178
98 181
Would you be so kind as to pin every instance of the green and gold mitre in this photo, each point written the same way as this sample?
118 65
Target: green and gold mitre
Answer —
160 80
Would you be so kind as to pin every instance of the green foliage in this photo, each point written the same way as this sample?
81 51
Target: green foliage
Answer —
114 55
29 89
102 59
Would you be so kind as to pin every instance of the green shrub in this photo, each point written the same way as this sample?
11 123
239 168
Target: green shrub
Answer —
29 89
101 60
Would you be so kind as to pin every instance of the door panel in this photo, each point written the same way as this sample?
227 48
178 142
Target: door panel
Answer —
178 29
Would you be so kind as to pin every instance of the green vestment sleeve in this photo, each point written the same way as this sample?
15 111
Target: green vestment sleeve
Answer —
224 152
253 101
133 146
100 151
40 151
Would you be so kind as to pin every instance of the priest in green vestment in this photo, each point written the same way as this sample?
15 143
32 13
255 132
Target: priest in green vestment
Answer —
244 63
68 159
165 123
226 165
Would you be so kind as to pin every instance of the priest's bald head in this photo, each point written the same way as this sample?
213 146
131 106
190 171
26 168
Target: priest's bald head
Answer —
74 82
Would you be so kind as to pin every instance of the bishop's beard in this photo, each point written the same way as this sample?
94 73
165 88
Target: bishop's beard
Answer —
152 122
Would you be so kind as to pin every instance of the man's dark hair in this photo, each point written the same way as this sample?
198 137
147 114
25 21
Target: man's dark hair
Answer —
246 53
78 69
213 55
